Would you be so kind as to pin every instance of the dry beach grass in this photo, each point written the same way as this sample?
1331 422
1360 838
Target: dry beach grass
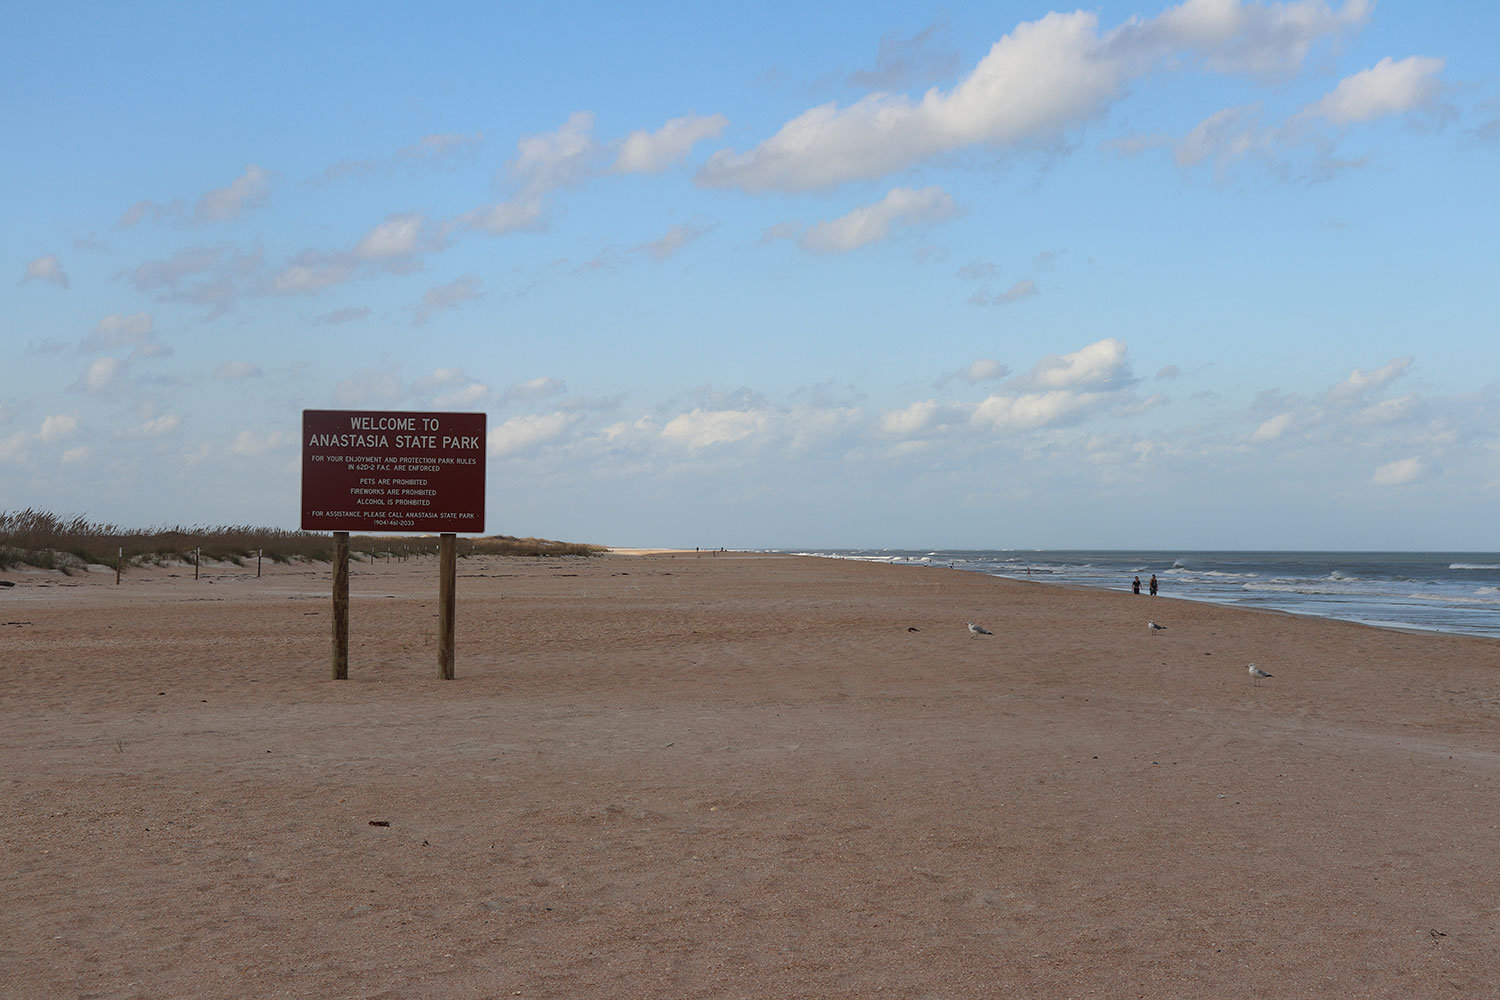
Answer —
695 775
70 543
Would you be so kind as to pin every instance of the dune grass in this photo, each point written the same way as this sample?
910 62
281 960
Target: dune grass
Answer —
71 543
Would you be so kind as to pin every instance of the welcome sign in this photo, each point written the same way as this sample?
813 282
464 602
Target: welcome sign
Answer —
379 471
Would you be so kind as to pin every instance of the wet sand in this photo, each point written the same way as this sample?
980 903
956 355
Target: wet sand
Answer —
694 775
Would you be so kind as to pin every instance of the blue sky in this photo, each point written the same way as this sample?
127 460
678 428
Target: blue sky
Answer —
1216 274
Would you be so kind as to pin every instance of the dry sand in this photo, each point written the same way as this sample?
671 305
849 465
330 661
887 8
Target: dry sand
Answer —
732 776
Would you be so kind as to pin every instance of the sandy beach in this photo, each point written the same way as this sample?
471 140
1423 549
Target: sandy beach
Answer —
729 775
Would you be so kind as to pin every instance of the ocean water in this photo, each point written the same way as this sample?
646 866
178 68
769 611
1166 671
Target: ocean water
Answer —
1457 592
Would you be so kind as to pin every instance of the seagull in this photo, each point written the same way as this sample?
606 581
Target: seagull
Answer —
1155 628
975 631
1256 674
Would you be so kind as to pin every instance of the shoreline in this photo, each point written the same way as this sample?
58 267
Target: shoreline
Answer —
1320 604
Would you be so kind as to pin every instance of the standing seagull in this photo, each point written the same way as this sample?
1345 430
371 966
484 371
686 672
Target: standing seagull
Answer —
1256 674
975 631
1155 628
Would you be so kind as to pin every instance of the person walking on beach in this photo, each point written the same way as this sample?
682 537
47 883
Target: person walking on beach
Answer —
1153 584
1135 585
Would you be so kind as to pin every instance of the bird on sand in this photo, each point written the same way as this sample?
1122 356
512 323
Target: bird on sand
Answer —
975 631
1256 674
1155 628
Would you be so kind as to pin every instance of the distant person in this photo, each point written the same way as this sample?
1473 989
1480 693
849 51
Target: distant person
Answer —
1153 585
1135 585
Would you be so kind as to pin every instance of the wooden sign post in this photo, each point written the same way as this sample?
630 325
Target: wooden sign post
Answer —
447 603
387 471
341 605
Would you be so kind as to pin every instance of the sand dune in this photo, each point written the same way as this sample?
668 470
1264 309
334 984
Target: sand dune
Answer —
682 775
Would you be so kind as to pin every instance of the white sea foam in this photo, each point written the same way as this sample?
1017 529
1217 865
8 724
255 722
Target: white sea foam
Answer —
1457 599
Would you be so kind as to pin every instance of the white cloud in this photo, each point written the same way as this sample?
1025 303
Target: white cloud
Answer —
980 370
983 370
872 223
1234 36
1396 473
629 431
912 419
978 269
1101 365
392 245
1272 428
157 426
1023 289
505 217
1361 384
1389 411
399 236
235 371
13 448
651 152
249 190
371 386
441 146
1044 78
1062 388
148 210
461 396
780 231
1223 137
312 272
451 388
551 160
101 373
47 268
1036 81
900 61
533 389
450 296
812 426
116 332
1130 407
702 428
206 275
544 163
75 455
348 314
433 151
526 433
56 427
1032 410
675 239
440 378
1390 87
250 443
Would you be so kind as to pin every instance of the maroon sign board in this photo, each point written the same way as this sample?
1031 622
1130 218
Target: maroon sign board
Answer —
380 471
